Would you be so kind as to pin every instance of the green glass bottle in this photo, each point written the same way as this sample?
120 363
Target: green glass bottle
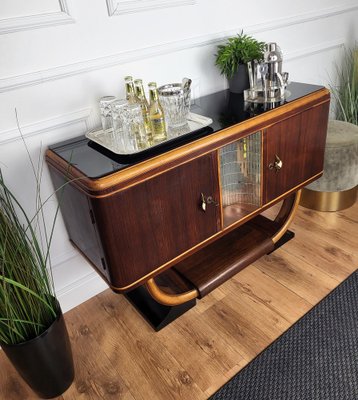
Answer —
130 92
139 91
137 128
156 114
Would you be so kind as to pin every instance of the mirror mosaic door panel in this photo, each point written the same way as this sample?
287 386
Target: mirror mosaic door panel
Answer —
240 173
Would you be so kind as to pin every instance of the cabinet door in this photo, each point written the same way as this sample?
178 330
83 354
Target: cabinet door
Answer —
299 143
240 177
149 224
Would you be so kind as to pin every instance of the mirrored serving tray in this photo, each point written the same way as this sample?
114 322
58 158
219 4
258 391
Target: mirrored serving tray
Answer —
195 124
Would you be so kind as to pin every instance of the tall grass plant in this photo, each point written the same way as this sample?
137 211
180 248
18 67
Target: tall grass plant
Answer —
345 92
28 304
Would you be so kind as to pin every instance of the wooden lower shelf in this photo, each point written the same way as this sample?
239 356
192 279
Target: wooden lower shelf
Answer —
213 265
207 269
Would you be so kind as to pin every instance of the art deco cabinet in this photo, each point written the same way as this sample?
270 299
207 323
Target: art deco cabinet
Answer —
173 225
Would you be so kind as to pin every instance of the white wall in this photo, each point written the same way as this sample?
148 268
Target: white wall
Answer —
58 57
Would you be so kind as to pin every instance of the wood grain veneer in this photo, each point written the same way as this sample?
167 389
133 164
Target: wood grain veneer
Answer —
144 226
146 218
209 268
299 142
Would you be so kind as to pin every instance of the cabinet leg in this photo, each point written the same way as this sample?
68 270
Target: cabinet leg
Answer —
156 314
286 214
284 239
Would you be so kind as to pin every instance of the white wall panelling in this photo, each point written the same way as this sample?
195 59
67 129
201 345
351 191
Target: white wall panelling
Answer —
84 115
312 50
46 126
38 77
38 20
117 7
302 18
55 75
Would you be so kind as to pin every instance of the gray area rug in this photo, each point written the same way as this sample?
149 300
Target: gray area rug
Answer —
316 359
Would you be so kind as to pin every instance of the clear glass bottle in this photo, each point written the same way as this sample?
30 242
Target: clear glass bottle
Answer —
130 92
139 91
156 114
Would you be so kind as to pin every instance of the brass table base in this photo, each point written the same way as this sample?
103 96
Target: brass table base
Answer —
328 201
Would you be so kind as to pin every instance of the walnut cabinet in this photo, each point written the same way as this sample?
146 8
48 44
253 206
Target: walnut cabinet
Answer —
180 223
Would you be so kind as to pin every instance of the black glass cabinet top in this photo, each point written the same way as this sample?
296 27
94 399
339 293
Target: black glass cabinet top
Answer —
224 108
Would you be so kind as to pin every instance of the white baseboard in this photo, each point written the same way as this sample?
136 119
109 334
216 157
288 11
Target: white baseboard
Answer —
76 281
80 290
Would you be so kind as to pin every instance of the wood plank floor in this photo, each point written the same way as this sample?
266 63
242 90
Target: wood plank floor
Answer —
118 356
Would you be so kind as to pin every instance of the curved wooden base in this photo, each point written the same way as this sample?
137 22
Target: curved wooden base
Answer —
156 314
286 214
167 299
229 255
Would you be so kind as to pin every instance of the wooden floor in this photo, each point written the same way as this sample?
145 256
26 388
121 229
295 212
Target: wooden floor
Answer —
118 356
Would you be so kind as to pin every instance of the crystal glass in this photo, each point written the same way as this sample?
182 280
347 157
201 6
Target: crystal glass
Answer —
129 133
175 101
106 111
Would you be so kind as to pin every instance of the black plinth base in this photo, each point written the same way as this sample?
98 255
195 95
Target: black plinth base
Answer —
158 315
285 238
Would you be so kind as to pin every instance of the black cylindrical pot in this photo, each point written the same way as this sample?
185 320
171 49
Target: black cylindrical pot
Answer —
45 362
240 81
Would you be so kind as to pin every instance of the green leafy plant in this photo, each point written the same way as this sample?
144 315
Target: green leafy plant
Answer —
237 50
28 305
346 92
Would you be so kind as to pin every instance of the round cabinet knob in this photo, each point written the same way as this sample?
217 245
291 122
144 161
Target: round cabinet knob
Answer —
277 165
210 200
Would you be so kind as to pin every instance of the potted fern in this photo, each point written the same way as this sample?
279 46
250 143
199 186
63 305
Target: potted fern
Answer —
33 333
233 56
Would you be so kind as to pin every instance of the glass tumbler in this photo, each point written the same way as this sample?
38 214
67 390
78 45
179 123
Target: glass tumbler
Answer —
129 133
175 101
106 111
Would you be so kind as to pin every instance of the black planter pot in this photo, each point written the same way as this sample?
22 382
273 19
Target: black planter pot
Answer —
240 81
45 362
